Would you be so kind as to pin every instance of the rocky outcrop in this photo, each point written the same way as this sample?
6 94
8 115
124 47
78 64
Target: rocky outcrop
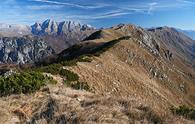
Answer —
23 50
176 43
145 39
168 55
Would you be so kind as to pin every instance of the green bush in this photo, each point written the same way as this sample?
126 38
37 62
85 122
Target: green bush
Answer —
53 69
78 85
73 62
184 111
84 58
57 69
69 63
70 76
25 82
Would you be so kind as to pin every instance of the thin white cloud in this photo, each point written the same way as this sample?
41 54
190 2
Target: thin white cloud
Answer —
44 7
72 4
110 14
151 7
146 8
9 1
187 2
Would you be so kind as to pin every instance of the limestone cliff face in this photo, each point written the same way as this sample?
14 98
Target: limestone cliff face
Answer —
58 35
61 35
49 27
23 50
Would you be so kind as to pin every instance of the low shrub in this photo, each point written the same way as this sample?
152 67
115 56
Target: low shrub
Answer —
53 69
25 82
73 62
57 69
70 76
84 58
184 111
69 63
78 85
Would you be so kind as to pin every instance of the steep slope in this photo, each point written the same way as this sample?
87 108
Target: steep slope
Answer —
139 65
177 42
23 50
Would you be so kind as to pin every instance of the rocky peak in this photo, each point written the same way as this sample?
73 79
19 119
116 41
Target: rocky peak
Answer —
145 38
67 26
71 26
47 27
36 28
50 26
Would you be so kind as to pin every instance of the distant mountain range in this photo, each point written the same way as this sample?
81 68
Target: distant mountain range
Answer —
48 27
22 44
59 35
189 33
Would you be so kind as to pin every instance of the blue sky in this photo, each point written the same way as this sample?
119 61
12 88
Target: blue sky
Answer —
102 13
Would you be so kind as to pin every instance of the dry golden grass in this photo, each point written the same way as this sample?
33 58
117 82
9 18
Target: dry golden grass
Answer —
124 71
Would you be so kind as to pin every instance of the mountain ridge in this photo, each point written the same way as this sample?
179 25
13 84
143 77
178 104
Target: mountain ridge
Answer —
59 35
46 27
50 26
190 33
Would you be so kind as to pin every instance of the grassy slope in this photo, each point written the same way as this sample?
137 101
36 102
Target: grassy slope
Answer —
128 69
